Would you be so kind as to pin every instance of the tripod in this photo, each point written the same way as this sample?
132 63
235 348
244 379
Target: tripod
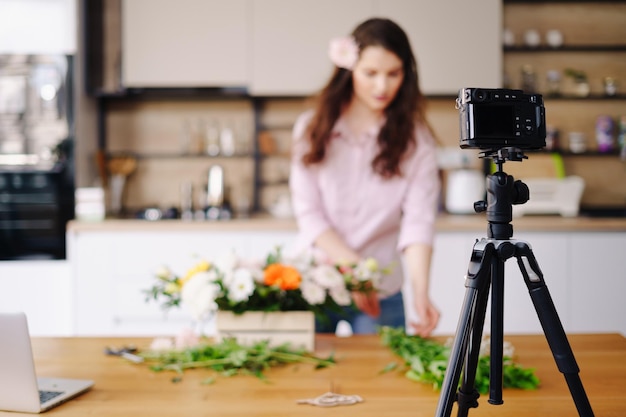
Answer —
486 269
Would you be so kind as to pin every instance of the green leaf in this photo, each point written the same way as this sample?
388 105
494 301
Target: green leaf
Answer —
229 358
390 367
426 361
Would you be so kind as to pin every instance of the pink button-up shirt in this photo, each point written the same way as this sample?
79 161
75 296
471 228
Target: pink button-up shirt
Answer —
376 217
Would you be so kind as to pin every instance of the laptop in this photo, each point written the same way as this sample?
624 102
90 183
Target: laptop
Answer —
21 390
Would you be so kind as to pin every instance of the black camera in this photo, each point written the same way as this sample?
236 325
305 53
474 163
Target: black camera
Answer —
497 118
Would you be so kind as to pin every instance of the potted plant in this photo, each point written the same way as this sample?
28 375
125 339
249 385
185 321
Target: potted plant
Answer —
581 83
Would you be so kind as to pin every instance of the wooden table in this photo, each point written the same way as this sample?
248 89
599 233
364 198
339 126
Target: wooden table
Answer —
124 389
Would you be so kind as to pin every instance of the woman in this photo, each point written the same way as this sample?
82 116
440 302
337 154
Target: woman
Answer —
364 178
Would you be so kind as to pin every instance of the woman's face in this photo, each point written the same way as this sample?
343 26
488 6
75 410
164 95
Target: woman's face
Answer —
377 77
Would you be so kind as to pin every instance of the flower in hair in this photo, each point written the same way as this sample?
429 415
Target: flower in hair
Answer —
344 52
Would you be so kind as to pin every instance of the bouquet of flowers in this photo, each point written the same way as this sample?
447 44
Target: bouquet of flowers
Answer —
275 284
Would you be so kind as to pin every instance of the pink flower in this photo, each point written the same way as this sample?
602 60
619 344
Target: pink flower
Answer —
344 52
187 338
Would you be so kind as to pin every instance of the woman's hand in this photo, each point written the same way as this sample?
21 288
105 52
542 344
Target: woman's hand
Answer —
417 259
367 302
428 317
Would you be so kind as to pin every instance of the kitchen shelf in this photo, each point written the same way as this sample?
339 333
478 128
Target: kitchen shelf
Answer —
174 93
590 97
165 155
559 1
564 152
565 48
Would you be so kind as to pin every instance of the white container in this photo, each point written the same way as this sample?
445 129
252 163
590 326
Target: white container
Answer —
577 142
90 204
464 187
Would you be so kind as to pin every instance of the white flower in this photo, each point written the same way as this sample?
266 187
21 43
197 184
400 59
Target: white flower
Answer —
164 273
341 295
302 262
327 276
312 292
368 270
162 344
344 52
241 285
199 294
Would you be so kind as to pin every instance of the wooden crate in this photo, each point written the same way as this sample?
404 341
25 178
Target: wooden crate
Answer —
295 327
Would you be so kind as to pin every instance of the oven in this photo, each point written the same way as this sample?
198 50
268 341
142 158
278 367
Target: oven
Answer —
36 155
35 207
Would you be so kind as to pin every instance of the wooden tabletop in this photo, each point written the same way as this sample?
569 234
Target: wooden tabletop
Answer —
125 389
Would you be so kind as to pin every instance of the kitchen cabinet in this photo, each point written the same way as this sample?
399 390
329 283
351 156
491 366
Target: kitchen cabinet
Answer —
457 43
43 290
598 282
186 43
290 42
298 64
112 266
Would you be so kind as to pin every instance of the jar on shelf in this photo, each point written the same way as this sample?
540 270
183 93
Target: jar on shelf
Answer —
610 86
577 142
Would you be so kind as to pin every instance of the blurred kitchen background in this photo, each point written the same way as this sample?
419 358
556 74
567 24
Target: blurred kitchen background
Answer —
140 99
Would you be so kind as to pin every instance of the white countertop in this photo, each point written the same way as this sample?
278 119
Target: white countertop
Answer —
445 223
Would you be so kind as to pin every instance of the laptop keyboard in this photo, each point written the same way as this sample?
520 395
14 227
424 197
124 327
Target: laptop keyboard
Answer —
48 395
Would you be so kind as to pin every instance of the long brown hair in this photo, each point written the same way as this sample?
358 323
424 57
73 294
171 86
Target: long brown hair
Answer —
396 137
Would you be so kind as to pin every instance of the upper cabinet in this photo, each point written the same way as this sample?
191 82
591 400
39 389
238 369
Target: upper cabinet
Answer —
456 42
290 42
185 43
279 47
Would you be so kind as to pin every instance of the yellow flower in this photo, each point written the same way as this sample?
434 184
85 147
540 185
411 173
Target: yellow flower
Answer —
371 264
200 267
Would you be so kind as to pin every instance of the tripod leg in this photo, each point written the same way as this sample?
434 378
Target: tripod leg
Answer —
471 322
552 327
497 331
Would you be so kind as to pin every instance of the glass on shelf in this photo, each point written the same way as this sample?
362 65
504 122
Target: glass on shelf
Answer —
227 140
186 136
529 79
212 138
553 78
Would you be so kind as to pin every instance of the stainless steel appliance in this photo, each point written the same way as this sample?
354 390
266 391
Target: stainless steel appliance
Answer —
36 158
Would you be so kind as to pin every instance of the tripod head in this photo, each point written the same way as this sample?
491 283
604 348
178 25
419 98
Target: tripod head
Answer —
502 192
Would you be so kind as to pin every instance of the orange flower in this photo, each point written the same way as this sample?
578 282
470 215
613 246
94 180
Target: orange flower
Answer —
285 277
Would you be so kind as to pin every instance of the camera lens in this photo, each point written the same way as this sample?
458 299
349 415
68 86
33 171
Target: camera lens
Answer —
480 95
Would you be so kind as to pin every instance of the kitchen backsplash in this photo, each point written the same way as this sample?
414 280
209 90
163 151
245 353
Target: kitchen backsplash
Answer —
169 137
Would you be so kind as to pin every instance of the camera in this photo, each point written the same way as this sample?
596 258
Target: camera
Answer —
500 118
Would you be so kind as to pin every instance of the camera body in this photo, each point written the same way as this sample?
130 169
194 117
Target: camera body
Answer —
499 118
